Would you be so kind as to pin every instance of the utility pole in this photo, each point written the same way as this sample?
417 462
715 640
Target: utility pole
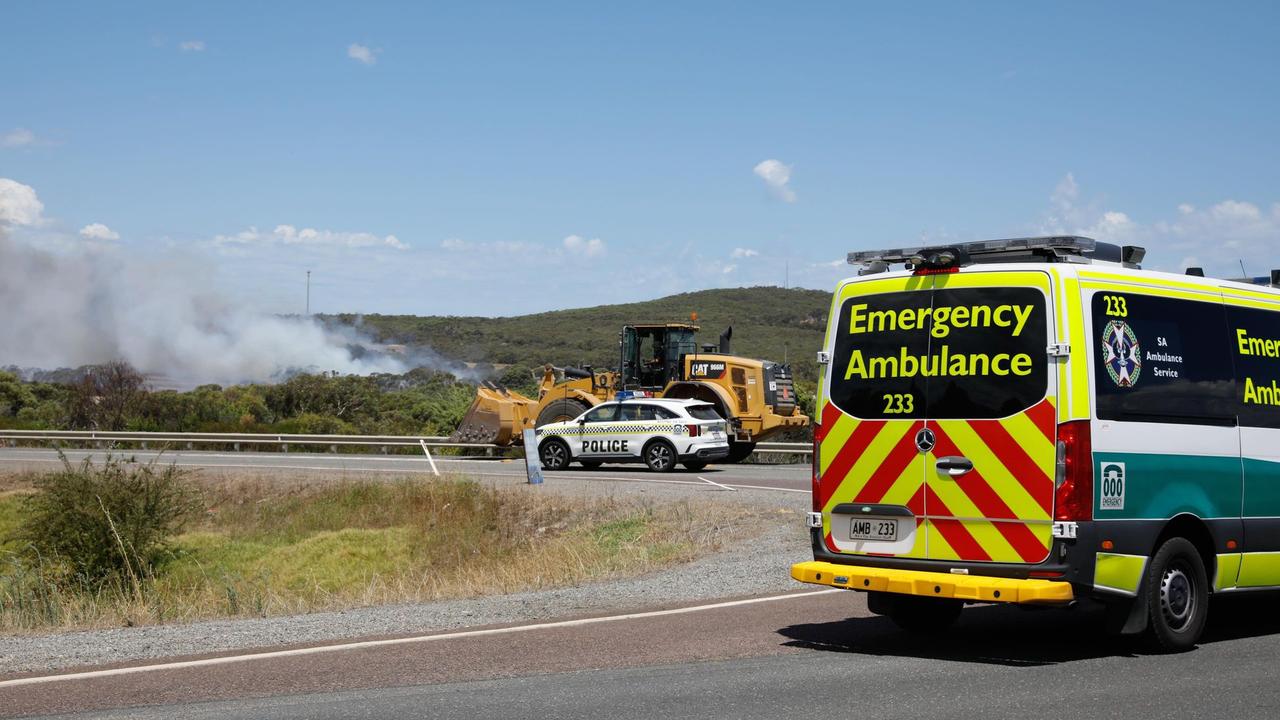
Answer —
308 293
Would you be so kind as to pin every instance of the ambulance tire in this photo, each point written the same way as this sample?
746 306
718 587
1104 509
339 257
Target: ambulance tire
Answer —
924 614
554 454
739 451
695 465
591 464
1176 592
660 456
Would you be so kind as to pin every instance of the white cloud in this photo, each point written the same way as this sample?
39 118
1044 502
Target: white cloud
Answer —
362 53
191 46
729 268
18 137
744 253
1219 237
776 176
453 244
19 204
290 235
591 248
98 231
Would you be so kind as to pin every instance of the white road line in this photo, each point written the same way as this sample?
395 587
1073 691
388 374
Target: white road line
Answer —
342 647
712 482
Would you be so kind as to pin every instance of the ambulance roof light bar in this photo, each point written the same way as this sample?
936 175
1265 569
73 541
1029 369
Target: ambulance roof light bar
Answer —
1058 248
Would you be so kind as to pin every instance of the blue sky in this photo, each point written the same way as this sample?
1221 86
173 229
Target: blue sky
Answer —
496 159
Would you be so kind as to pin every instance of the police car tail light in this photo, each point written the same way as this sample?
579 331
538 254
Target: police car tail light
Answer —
1073 479
694 430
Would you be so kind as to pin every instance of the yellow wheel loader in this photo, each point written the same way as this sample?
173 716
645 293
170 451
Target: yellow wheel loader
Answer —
757 397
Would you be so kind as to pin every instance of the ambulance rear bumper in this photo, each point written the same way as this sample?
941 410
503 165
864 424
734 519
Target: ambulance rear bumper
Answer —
970 588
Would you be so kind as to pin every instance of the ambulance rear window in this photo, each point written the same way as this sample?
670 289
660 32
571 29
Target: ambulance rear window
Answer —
964 353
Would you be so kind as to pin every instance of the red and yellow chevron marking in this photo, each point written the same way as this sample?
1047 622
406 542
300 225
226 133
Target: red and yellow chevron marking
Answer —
1001 511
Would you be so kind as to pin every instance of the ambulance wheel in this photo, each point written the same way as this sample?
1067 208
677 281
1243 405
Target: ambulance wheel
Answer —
695 465
561 410
923 614
554 454
1176 591
738 451
591 464
660 456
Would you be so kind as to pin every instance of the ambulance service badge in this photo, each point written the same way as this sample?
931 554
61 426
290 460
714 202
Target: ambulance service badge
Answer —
1121 353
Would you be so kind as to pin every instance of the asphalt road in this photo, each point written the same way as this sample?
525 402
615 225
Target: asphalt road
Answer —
816 654
789 478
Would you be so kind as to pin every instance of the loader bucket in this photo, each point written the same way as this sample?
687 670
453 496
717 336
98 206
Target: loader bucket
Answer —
497 416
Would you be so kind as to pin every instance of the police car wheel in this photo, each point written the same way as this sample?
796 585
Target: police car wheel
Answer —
554 455
660 456
1176 591
695 465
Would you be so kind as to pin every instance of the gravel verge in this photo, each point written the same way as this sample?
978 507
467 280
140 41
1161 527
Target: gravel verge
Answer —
759 568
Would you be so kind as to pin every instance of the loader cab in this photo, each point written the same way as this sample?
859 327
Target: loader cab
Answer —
650 354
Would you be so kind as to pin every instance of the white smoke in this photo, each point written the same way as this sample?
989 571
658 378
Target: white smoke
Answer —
91 303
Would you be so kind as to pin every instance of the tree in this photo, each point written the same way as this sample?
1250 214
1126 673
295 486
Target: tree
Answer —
105 397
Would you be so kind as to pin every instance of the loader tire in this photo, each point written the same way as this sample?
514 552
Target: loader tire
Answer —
738 451
561 410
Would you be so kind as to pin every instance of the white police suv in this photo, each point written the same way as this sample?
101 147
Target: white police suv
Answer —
658 432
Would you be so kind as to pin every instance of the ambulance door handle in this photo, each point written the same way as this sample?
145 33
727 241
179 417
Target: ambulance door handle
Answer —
954 465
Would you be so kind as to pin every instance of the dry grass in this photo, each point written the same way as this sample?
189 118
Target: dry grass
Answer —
262 549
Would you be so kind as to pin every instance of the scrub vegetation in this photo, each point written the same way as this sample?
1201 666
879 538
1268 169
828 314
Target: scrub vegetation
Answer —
769 323
260 546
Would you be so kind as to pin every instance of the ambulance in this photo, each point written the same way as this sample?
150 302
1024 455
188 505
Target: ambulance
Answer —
1040 421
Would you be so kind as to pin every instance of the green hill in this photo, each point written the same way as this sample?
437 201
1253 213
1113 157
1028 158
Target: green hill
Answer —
769 323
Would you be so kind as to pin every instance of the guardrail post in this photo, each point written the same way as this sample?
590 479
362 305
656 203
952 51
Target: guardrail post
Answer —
237 447
333 449
384 449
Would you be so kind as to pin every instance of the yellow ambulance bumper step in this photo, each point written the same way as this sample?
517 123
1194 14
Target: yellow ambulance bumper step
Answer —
973 588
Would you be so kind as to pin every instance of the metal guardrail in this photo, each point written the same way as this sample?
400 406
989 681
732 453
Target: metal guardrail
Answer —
285 440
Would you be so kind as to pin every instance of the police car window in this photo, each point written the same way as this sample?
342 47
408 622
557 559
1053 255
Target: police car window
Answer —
1162 360
647 412
602 413
630 412
662 413
703 412
1255 348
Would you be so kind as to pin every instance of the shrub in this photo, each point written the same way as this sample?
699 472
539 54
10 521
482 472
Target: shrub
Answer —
96 522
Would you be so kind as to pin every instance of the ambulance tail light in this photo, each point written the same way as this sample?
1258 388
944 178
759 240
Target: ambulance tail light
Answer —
694 430
1073 479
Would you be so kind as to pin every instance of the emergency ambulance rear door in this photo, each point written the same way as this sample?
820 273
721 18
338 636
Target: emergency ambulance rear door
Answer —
990 399
869 473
